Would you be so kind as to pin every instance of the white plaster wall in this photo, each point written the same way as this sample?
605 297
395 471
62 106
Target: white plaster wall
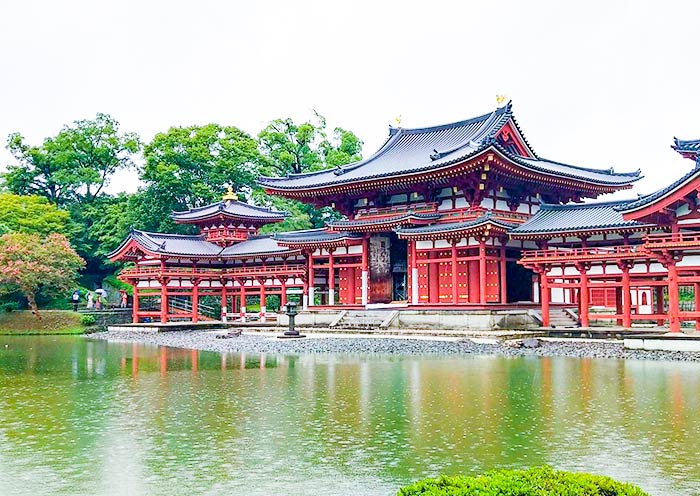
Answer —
355 250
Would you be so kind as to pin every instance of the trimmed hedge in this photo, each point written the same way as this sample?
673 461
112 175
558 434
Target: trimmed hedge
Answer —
539 481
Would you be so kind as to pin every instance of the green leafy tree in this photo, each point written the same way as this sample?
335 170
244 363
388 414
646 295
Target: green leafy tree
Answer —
75 165
290 148
190 166
30 263
32 214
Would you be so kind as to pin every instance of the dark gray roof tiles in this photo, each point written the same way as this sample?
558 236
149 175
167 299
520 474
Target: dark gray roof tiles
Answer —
263 245
384 220
645 200
689 146
230 208
422 149
197 246
456 226
313 236
575 218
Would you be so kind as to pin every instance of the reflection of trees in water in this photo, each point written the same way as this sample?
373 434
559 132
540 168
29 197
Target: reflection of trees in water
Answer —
196 419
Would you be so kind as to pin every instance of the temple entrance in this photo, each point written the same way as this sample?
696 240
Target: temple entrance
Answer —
388 257
380 269
399 268
518 283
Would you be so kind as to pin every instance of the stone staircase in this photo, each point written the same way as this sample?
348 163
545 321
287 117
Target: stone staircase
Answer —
367 320
562 318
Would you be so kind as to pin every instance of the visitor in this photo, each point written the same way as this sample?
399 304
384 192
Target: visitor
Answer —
75 299
90 300
122 303
98 302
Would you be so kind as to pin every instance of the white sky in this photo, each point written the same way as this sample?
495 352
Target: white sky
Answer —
594 83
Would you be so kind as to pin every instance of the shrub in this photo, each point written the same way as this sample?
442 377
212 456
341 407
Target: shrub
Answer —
539 481
87 320
10 306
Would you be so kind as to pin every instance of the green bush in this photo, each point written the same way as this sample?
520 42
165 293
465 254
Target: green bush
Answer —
539 481
10 306
87 320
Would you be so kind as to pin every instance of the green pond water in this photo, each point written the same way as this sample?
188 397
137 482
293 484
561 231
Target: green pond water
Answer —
87 417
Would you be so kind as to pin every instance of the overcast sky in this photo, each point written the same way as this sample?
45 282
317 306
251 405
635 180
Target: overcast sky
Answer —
593 83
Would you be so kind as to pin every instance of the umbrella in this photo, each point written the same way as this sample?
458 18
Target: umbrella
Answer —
101 291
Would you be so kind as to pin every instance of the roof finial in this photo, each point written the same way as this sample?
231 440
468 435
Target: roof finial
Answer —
500 99
397 120
230 195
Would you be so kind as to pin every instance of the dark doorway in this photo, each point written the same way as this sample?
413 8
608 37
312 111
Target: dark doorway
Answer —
519 283
399 264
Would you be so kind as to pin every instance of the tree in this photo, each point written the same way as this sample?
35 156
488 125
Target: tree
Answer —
290 148
75 165
31 263
190 166
32 214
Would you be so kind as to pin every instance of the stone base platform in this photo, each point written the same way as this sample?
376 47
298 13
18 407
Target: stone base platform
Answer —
670 341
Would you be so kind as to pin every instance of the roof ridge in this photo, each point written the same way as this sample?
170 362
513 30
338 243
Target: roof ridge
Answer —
506 109
565 206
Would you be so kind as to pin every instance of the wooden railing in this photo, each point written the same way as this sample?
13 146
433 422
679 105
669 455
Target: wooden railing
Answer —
597 253
379 212
217 271
672 239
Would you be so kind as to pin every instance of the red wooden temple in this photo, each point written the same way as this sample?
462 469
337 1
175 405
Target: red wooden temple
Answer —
458 216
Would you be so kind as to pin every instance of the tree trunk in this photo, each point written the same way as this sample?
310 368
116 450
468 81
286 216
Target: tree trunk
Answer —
32 305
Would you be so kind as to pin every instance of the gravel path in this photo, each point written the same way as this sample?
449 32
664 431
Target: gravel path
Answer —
256 343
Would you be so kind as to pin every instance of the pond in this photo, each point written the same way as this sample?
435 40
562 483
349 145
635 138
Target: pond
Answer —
81 416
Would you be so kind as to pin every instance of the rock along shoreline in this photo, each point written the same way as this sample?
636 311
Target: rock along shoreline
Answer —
267 343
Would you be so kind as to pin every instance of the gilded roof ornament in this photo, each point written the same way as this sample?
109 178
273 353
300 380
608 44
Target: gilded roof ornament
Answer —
230 195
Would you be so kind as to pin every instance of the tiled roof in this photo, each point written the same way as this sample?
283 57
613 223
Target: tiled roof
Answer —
171 244
229 208
195 245
455 226
688 149
393 219
423 149
576 218
313 236
686 146
255 245
645 200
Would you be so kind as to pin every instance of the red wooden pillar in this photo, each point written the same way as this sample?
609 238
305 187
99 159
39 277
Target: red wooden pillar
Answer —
195 300
331 278
659 291
283 293
224 302
243 302
504 283
365 270
164 300
482 271
263 299
414 271
674 322
455 270
135 303
311 280
626 297
584 296
696 295
544 297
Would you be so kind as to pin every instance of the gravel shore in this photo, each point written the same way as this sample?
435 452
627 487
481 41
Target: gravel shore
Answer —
256 343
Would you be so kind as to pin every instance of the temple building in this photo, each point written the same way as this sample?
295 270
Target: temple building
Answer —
462 216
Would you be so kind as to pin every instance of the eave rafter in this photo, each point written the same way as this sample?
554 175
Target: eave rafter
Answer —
490 159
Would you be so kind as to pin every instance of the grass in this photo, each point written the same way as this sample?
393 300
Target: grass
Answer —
52 322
